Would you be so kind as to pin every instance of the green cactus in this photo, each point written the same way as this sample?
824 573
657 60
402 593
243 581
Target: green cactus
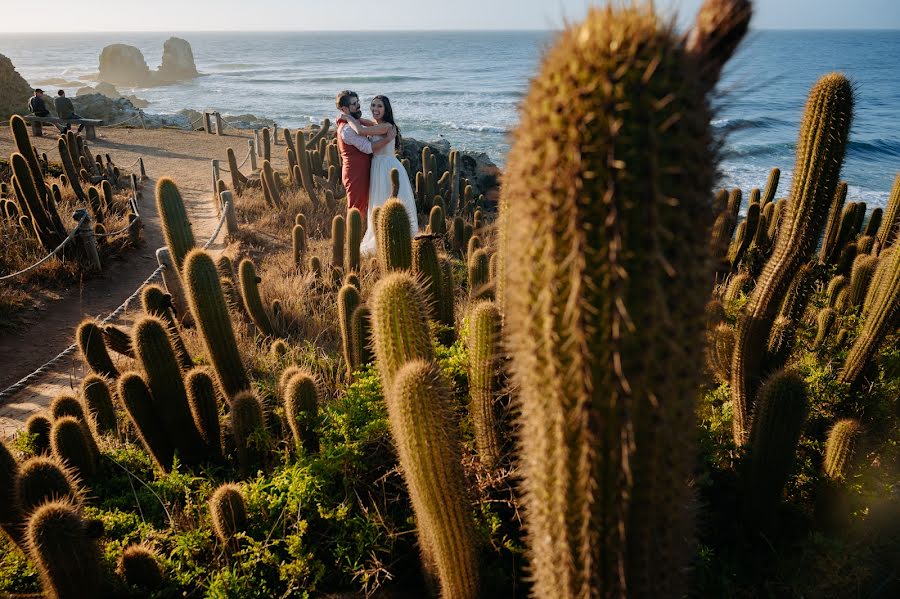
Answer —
437 225
825 319
840 448
315 267
42 480
279 348
890 223
484 365
139 567
301 402
210 311
478 273
38 426
201 393
779 416
860 278
399 324
71 447
139 406
348 301
298 243
457 236
175 223
845 262
249 430
427 268
90 340
352 279
271 184
71 172
425 435
751 223
719 348
98 403
864 244
361 333
820 152
228 513
582 318
771 186
393 237
10 513
447 299
65 555
164 377
874 223
354 238
118 340
65 404
338 240
250 294
32 202
156 302
879 320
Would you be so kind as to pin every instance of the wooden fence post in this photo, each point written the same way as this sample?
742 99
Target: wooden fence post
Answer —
231 224
143 170
207 121
274 133
219 129
86 233
253 167
215 185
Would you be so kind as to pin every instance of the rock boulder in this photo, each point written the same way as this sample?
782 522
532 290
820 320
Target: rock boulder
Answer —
177 61
125 65
14 90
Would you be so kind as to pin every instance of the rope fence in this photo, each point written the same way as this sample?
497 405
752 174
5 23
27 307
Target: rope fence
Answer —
139 115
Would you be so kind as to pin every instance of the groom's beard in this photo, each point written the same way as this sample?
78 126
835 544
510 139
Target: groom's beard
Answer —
357 115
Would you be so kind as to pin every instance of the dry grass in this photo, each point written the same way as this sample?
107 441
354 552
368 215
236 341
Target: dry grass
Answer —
19 249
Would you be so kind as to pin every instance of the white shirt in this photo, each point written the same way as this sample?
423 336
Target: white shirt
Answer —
360 142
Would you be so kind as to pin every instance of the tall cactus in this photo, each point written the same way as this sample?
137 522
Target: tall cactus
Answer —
141 410
164 377
820 153
157 302
594 250
93 349
840 448
175 223
361 327
338 240
354 238
426 437
228 512
393 237
484 365
298 245
348 301
427 267
880 320
890 222
253 302
208 306
65 555
10 512
201 392
247 426
41 480
399 324
301 404
70 446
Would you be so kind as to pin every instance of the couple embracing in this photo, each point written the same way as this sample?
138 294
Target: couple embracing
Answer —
368 150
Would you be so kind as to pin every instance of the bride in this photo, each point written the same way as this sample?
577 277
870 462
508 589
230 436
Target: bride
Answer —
382 162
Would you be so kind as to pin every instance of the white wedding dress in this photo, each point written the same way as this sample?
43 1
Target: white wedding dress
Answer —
380 191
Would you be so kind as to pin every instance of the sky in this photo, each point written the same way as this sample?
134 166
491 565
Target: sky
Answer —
347 15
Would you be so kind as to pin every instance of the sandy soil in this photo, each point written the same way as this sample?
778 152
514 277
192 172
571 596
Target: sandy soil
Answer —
182 155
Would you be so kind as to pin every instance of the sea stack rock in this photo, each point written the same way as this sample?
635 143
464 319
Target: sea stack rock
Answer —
177 61
14 90
121 64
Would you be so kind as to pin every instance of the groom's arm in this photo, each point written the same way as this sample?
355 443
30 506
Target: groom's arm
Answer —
389 139
360 142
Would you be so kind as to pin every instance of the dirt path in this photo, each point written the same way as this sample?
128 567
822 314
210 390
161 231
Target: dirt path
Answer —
182 155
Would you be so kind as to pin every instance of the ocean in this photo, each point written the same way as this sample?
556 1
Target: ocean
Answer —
466 86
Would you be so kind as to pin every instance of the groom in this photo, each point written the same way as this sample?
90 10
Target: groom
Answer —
356 152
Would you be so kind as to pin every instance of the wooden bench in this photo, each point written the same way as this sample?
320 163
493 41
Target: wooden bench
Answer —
37 124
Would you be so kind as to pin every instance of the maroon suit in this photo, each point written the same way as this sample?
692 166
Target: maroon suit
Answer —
354 173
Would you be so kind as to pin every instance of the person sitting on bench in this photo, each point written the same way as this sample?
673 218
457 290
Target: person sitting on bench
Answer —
65 109
38 107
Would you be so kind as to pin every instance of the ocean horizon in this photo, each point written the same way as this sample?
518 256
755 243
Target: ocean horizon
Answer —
466 86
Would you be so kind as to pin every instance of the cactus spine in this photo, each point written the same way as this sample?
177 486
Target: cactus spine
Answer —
67 559
592 360
820 153
176 225
208 306
428 448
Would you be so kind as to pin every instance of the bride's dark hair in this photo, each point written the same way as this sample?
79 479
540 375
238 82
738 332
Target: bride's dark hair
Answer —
389 118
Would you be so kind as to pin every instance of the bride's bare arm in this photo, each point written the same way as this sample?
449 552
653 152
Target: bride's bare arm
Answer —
368 130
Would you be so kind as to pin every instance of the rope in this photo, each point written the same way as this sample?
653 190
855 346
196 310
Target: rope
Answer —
48 256
243 162
27 380
199 119
138 115
122 230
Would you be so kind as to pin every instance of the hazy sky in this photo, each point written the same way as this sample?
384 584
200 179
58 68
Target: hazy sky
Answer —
295 15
